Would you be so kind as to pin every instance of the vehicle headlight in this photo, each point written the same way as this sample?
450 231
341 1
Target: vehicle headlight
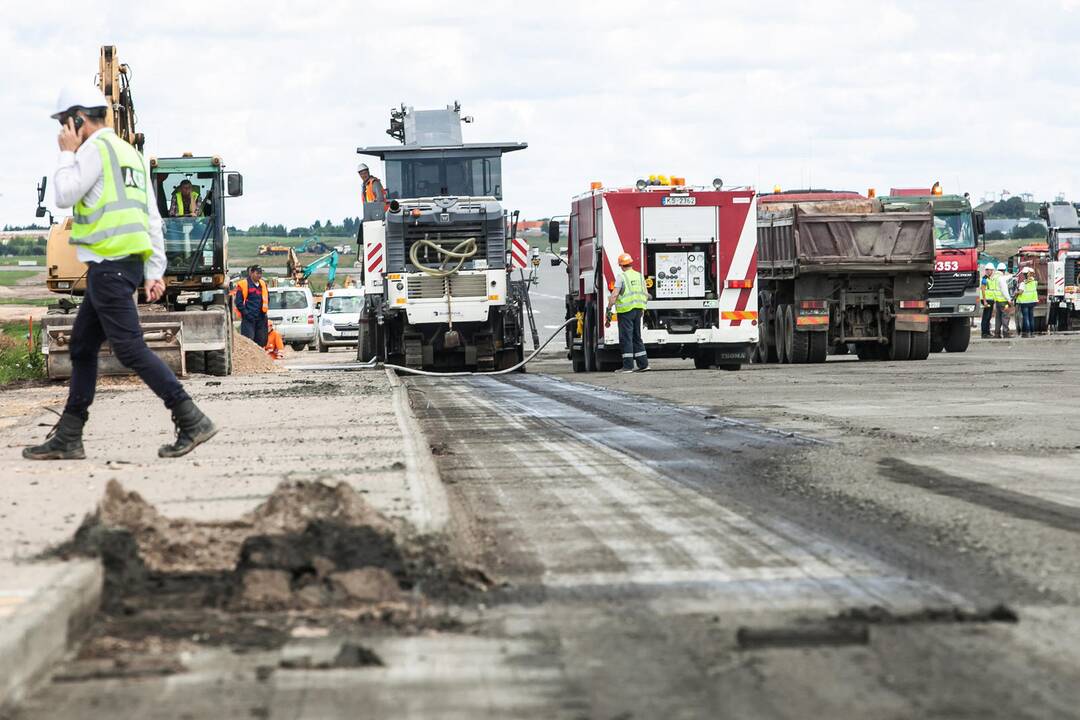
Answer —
327 322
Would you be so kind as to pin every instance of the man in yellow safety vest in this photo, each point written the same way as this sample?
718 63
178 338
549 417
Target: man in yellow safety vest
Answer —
116 229
185 201
629 299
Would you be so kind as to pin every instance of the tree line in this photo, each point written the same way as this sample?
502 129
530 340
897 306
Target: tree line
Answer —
23 246
346 228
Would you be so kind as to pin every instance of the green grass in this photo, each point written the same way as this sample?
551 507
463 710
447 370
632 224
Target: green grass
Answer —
19 360
11 277
37 302
14 259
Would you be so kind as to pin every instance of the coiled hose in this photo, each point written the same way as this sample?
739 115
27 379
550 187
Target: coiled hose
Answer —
461 252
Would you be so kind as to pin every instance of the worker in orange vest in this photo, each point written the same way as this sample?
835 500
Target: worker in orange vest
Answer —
373 188
275 346
251 299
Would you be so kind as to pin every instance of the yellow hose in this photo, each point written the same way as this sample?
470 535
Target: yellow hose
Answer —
461 252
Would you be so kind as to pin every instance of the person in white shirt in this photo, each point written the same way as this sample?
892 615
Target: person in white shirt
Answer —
116 227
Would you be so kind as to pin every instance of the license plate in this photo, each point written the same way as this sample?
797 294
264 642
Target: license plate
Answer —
933 304
679 200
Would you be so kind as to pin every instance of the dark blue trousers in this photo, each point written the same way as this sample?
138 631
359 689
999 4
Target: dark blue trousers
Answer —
108 312
633 349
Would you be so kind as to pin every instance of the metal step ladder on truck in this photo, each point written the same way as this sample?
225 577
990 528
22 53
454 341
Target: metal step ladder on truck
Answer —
835 270
190 327
434 256
695 247
1063 268
954 290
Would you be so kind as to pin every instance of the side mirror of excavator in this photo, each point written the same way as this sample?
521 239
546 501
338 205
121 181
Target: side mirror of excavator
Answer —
553 232
41 190
234 184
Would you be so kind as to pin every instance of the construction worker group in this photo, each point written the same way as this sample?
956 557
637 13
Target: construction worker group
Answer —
1002 295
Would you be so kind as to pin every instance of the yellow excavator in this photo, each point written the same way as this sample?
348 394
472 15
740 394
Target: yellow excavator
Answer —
190 328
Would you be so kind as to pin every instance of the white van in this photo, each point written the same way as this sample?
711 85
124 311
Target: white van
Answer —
292 310
339 318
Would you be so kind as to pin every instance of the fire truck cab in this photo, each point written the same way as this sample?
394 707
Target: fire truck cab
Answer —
697 250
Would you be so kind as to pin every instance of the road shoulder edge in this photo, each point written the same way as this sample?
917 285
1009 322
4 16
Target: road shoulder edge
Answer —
427 495
39 634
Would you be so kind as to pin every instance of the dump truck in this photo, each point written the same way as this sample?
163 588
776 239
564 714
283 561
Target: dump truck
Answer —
190 327
695 247
434 255
954 287
1063 267
836 271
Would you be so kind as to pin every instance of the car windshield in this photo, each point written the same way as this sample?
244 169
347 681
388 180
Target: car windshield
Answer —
444 176
345 304
288 300
189 244
954 231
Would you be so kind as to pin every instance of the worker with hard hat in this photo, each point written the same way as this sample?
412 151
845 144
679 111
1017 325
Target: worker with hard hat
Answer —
116 229
629 298
275 346
1027 296
251 301
185 201
374 194
986 298
1002 300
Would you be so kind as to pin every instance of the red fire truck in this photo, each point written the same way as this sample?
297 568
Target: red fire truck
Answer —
696 248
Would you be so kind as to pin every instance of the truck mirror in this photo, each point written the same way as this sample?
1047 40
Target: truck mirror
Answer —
40 212
41 191
234 184
980 223
553 232
555 261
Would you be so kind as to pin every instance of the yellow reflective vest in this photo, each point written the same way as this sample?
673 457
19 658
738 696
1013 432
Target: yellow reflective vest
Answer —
632 296
118 223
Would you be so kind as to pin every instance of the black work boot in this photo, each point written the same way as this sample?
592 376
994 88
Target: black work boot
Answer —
192 429
64 441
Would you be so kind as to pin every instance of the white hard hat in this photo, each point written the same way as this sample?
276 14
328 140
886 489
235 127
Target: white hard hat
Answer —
361 167
1028 269
78 96
988 266
1002 266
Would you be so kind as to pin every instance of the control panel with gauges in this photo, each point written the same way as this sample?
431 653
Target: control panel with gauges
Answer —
679 275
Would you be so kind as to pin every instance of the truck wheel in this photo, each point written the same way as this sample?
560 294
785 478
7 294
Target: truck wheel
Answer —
819 347
219 362
365 342
959 335
589 338
800 345
920 346
298 346
577 361
779 335
900 347
789 338
195 361
938 331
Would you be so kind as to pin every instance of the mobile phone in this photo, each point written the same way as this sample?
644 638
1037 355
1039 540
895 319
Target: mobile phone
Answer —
78 120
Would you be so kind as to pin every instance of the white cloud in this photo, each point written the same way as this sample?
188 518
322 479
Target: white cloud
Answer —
979 95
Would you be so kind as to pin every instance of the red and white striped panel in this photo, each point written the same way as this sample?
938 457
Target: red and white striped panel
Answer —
738 277
375 261
519 253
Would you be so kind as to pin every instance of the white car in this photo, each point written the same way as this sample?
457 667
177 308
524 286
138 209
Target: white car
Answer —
339 319
292 310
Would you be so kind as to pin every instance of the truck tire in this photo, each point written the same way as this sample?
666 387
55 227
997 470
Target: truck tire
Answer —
959 336
900 347
819 347
298 346
800 345
195 361
938 331
780 335
589 338
365 342
219 362
577 361
920 346
789 338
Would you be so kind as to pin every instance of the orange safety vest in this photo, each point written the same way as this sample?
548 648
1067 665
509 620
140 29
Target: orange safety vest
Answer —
369 190
242 288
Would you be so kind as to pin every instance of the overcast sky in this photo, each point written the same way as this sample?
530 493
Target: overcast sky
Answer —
984 96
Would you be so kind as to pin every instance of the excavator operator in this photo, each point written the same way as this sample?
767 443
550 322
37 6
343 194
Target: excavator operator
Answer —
185 201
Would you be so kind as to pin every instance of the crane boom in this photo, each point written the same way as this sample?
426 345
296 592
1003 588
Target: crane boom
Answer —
114 81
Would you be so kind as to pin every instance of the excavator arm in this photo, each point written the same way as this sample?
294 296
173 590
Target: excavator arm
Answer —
114 80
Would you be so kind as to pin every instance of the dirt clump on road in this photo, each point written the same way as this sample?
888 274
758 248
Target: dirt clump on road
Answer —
309 545
249 358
